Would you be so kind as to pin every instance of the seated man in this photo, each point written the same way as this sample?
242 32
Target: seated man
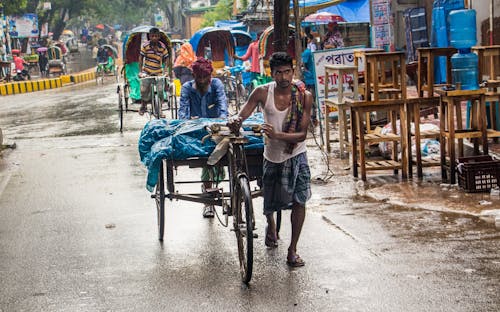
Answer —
152 60
204 97
102 55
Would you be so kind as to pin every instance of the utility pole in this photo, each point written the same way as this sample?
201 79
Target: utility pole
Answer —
281 18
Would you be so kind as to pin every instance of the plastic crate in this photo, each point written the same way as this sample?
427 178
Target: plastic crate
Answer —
478 173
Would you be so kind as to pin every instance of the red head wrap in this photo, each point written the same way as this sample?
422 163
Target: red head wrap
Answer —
202 67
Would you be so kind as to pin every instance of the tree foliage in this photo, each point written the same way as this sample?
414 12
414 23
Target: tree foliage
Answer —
222 11
13 7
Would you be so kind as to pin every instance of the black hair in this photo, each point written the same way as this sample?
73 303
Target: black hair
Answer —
154 30
280 59
310 36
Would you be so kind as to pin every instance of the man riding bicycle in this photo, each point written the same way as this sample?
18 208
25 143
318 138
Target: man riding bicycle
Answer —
152 60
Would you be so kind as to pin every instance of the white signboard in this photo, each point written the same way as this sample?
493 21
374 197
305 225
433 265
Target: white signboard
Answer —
332 56
24 26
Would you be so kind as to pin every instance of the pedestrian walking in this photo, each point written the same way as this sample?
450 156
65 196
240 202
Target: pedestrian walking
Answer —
286 105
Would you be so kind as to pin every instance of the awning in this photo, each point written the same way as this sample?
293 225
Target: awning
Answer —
353 11
307 7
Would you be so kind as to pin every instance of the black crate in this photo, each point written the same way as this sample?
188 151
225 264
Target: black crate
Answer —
478 173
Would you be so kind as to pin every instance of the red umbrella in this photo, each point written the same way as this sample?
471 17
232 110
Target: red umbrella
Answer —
99 26
323 18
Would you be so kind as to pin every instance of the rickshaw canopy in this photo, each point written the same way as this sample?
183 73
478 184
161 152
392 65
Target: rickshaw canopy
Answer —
266 42
219 39
112 49
241 38
54 53
133 42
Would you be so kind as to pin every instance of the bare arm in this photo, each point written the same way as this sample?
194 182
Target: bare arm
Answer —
257 97
298 136
140 62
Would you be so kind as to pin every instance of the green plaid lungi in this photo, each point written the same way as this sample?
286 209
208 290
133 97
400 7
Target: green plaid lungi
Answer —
285 183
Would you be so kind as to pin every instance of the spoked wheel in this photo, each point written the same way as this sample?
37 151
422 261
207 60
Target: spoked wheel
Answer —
160 202
120 108
126 95
243 226
156 107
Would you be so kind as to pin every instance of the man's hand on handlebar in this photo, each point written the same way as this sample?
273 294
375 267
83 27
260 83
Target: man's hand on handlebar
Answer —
234 124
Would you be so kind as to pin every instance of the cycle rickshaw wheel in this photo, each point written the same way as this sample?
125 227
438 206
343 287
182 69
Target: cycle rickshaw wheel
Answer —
243 227
160 202
120 108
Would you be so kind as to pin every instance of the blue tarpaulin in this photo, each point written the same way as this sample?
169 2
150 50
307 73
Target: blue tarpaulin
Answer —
181 139
307 7
353 11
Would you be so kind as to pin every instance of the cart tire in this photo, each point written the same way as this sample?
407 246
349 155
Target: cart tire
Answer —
160 202
243 227
120 110
170 178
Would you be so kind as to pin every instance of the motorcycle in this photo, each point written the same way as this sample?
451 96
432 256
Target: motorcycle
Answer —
21 75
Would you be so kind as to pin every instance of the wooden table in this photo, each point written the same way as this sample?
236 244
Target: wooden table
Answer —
451 128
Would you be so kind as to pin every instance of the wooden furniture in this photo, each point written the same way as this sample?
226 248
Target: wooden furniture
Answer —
414 109
360 137
338 73
451 128
385 91
489 72
426 56
381 84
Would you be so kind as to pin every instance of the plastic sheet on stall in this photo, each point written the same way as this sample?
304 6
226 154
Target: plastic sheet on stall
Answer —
428 147
182 139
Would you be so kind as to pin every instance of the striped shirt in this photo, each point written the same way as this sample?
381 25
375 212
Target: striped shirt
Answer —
153 57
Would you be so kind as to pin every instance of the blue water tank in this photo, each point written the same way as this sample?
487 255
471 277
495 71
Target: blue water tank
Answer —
464 70
462 28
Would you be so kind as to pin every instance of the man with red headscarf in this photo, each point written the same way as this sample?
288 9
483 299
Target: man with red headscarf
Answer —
204 97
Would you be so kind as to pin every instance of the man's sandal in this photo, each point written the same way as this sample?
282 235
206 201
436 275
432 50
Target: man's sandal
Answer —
295 261
271 240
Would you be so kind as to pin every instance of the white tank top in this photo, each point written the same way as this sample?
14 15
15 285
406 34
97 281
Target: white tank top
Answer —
274 150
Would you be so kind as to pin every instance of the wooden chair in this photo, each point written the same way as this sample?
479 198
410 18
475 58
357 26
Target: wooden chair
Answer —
384 92
451 128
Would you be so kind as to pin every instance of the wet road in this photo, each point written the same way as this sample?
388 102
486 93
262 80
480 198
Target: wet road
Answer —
78 232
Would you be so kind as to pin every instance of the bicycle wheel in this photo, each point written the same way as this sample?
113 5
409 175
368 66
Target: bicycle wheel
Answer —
97 75
243 226
126 95
160 202
120 108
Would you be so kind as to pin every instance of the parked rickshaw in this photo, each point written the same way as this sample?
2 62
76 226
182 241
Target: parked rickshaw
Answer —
107 67
130 91
266 45
218 44
215 44
56 65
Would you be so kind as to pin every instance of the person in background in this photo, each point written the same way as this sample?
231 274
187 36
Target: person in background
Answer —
253 54
183 62
333 38
204 97
152 59
309 75
42 63
286 176
95 50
